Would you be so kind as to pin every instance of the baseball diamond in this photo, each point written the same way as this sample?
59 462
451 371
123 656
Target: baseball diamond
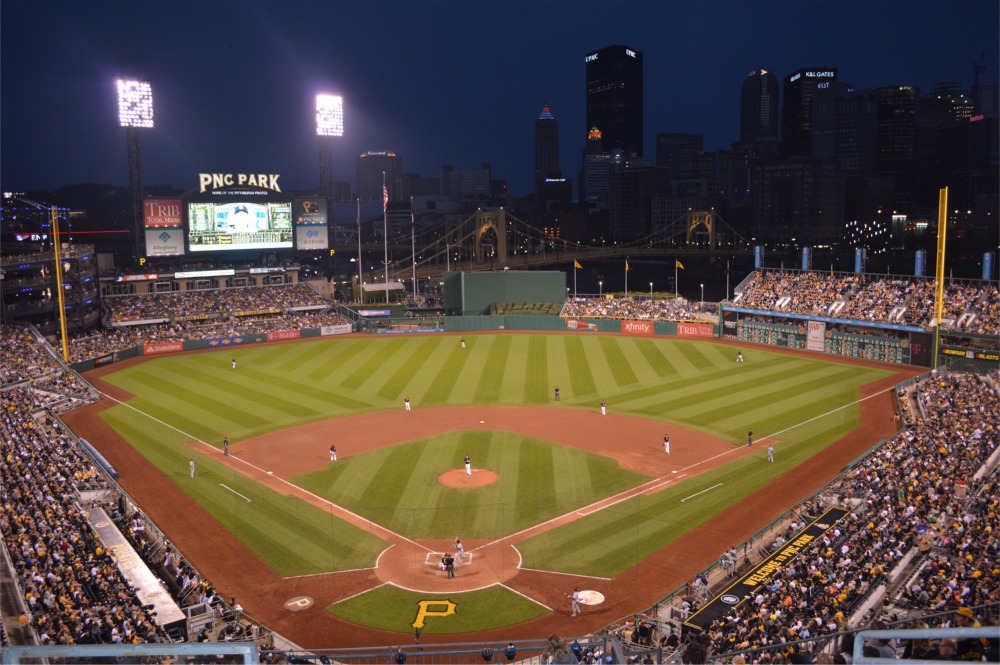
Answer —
560 495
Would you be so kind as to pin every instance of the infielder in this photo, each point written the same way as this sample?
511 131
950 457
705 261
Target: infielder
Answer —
770 454
406 403
468 465
666 443
604 408
333 453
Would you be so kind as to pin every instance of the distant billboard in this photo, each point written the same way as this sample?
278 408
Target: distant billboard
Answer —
162 213
310 217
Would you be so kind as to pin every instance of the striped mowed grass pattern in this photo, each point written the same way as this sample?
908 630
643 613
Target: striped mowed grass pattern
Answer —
694 384
537 481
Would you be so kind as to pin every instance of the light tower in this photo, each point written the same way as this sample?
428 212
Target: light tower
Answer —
135 111
329 123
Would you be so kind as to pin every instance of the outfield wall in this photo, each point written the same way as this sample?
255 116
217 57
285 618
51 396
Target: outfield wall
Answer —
895 344
473 293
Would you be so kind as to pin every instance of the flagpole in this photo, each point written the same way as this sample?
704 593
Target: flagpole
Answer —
413 250
574 278
626 278
361 289
385 235
727 279
677 289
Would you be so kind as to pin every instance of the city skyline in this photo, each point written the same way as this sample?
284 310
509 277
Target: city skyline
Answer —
435 82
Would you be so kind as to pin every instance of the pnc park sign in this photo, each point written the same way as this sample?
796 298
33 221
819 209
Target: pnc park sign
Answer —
208 181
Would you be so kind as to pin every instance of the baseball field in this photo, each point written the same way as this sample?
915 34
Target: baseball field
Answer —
558 494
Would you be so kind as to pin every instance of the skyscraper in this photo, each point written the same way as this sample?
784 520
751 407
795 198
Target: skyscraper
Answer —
370 167
546 148
759 109
615 97
796 108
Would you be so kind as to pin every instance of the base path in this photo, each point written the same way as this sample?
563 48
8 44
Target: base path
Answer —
636 443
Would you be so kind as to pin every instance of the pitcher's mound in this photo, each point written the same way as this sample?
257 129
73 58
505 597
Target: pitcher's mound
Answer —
458 478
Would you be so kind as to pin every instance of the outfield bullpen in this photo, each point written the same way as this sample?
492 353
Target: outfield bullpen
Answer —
245 523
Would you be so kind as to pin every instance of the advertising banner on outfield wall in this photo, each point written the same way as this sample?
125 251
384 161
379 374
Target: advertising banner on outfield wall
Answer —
341 329
217 342
815 335
695 330
637 327
283 334
730 321
576 324
162 347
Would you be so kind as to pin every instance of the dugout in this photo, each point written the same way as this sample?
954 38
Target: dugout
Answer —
472 293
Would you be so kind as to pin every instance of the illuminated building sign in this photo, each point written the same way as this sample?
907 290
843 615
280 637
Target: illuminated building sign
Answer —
820 75
629 52
221 180
591 58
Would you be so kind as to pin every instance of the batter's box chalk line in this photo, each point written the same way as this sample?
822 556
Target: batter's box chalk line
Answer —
434 559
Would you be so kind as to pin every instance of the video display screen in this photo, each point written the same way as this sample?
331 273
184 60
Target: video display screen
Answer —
215 227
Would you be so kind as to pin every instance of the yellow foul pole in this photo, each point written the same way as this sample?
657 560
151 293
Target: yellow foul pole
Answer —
59 283
939 270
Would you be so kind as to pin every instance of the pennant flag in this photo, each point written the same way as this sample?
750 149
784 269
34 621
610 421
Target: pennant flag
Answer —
576 264
385 197
678 264
626 265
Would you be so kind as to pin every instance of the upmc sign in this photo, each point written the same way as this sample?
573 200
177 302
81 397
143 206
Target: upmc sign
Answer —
637 327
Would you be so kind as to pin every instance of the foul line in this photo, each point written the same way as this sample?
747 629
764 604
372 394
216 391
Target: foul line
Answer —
618 498
377 527
598 506
235 492
708 489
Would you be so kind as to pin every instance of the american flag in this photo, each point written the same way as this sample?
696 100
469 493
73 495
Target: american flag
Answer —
385 198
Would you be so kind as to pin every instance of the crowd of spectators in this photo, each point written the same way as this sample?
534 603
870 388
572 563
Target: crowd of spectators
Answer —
73 590
210 302
22 355
639 307
909 484
970 307
920 479
203 315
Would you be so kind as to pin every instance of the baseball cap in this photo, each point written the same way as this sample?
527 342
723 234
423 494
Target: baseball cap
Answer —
966 612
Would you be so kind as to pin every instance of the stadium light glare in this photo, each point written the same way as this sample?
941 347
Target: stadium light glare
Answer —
135 103
329 115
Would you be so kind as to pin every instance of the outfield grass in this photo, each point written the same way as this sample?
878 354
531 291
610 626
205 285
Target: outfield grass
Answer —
394 609
694 384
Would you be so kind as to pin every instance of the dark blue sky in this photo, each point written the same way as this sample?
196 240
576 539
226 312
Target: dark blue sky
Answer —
456 82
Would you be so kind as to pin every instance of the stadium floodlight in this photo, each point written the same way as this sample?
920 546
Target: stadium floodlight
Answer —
329 115
135 103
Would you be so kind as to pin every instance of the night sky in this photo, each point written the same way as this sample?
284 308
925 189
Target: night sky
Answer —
457 83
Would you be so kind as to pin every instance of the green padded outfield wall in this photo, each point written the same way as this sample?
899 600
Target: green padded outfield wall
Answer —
471 293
